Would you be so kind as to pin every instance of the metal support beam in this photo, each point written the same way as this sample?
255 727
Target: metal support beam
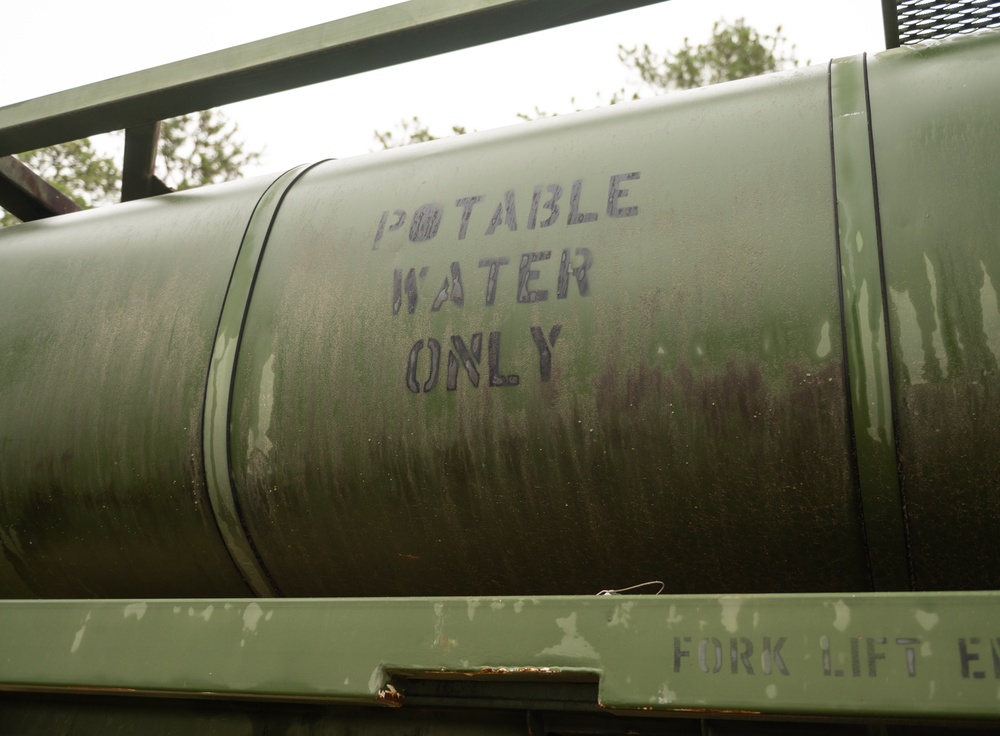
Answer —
360 43
918 657
138 180
27 196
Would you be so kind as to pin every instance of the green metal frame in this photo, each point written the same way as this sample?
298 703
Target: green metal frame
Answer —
340 48
895 656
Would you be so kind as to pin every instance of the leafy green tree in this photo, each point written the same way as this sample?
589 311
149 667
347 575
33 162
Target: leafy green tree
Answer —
735 51
197 149
201 148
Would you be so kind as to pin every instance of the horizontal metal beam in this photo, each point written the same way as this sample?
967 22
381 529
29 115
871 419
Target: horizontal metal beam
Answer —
360 43
913 656
27 196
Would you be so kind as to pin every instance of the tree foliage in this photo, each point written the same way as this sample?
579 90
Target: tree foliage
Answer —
734 51
201 148
197 149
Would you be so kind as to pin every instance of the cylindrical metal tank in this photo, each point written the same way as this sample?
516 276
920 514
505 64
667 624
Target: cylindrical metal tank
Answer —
738 340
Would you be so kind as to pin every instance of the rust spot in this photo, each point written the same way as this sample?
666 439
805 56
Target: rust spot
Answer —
409 557
717 711
390 696
519 670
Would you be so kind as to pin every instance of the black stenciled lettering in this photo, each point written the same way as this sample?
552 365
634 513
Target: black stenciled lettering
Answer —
544 353
411 367
966 658
468 359
771 656
735 658
824 643
552 205
452 291
400 216
536 198
703 655
526 274
434 348
873 655
496 220
467 203
407 285
776 653
615 192
491 277
579 272
497 379
911 654
855 659
505 213
380 229
680 653
426 221
575 216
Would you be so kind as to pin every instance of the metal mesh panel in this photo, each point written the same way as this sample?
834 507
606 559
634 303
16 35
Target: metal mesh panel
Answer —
920 20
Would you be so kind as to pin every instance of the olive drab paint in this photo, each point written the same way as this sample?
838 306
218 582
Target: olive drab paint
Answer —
739 340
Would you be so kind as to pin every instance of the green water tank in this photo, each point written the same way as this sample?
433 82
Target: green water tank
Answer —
742 339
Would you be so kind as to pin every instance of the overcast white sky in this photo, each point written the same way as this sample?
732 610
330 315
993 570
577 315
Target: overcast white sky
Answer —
56 45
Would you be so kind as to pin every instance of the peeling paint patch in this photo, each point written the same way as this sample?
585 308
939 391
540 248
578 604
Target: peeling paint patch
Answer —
518 606
572 644
842 615
496 604
251 615
823 349
730 611
257 438
666 696
621 614
926 620
135 609
375 681
207 613
771 691
472 605
79 636
673 617
177 609
440 639
925 649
